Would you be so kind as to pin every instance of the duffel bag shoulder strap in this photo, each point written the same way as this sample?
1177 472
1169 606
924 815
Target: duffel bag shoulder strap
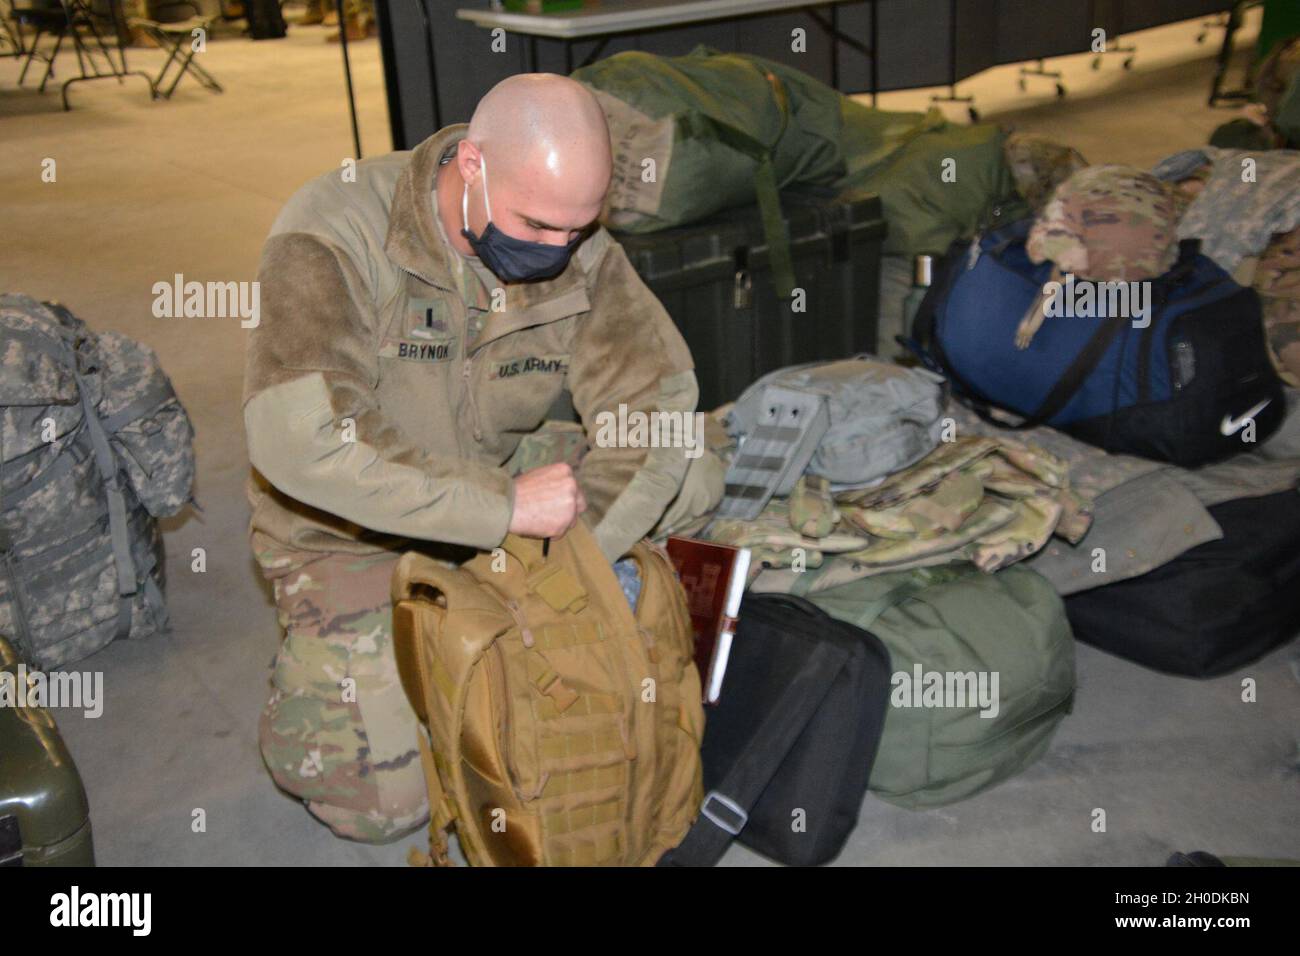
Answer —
1090 356
1084 364
699 125
726 807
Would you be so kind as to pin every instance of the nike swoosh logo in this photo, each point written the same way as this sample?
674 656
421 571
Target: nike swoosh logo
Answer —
1230 425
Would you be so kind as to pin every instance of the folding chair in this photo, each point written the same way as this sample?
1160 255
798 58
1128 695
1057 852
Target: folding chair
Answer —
44 20
68 19
177 37
12 42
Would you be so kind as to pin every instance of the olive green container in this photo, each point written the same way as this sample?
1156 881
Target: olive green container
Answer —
44 816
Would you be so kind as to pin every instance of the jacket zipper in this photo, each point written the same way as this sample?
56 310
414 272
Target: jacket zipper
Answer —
467 366
468 385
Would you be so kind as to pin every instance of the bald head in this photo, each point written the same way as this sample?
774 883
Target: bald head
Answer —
545 123
545 144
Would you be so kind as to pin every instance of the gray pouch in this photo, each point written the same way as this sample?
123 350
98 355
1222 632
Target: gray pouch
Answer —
883 417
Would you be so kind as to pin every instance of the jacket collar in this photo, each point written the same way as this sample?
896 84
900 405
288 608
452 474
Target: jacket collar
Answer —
414 244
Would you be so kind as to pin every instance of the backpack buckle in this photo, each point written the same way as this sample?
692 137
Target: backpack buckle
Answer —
729 805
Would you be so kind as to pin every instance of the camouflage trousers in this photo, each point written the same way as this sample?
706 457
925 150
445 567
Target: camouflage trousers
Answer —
338 732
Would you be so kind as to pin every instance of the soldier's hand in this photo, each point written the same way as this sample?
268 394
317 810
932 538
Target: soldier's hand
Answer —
547 502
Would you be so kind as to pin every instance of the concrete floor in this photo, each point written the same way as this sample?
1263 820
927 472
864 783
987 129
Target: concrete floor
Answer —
146 190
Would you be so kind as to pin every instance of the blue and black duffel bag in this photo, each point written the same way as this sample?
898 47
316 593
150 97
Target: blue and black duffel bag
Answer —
1188 382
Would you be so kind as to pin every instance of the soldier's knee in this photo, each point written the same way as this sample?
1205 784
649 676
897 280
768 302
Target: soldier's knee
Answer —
362 779
377 824
338 732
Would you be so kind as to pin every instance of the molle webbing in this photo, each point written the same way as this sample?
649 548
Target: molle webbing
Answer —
602 850
567 783
560 747
562 822
529 676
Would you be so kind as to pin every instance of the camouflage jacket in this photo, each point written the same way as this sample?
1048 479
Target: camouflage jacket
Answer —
1120 516
377 414
988 501
1145 514
1236 216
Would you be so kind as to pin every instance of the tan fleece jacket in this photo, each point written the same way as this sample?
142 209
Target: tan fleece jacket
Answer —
370 420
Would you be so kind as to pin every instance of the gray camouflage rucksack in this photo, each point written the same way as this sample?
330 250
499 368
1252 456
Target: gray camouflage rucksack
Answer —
94 446
883 417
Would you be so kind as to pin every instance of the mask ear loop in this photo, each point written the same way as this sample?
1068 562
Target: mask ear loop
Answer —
464 198
487 203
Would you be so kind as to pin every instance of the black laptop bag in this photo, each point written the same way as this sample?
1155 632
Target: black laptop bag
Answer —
789 746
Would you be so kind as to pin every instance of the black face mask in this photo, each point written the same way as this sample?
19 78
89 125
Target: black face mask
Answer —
511 259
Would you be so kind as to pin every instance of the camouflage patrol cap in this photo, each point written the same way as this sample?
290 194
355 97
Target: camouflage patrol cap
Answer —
1108 224
1038 165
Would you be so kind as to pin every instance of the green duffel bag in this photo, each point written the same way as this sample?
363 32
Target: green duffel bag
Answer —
937 181
965 626
695 134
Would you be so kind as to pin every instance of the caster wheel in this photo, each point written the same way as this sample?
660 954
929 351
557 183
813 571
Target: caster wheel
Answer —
1128 64
974 114
1021 83
1096 63
1060 91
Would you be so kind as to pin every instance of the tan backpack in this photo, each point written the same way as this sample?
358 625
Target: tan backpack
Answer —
563 729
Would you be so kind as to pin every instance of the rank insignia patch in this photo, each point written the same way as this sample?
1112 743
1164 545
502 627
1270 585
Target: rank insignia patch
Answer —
427 317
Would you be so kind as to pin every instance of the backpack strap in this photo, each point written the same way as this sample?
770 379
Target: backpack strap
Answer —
441 812
1084 364
21 634
550 581
118 530
413 664
158 393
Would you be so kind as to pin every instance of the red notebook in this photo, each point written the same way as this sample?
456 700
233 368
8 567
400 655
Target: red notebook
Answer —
713 576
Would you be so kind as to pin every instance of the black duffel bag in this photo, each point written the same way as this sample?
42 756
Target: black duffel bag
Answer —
1215 608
